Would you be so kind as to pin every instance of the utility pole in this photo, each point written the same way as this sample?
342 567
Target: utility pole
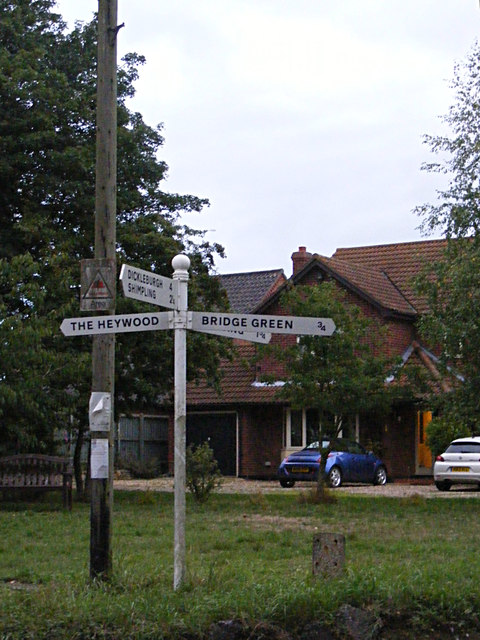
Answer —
103 349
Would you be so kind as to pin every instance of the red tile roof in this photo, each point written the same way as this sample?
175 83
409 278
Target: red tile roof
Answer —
371 283
237 384
401 262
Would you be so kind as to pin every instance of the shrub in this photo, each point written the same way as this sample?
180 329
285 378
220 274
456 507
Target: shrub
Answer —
441 431
144 469
202 473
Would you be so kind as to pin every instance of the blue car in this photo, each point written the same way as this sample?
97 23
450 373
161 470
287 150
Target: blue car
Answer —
347 461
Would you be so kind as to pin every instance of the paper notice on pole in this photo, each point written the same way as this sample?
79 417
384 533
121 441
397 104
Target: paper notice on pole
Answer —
99 459
100 410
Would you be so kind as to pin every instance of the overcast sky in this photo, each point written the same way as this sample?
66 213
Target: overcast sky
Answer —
300 120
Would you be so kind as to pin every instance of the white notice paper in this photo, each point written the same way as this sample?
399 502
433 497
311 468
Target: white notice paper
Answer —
99 459
99 411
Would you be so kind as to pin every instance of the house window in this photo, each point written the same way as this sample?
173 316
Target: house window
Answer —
296 429
311 425
301 427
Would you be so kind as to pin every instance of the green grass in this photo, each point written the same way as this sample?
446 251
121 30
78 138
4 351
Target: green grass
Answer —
248 556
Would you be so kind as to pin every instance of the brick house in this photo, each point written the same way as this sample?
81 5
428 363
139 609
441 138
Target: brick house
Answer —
250 429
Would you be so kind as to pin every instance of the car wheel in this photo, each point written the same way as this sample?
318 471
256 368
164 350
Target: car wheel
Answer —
443 485
335 477
380 476
286 484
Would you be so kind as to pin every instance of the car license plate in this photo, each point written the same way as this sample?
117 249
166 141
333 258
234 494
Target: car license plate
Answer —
300 470
460 469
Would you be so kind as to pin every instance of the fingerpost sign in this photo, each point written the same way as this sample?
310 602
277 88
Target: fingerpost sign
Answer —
173 294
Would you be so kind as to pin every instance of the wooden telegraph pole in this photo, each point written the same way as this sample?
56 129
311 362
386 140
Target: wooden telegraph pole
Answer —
103 350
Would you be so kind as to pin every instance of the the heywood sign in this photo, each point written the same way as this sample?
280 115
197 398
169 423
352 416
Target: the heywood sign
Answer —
115 324
173 294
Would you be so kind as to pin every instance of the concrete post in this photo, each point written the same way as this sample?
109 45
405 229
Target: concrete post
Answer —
328 554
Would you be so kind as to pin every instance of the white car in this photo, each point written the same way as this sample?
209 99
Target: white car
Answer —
460 464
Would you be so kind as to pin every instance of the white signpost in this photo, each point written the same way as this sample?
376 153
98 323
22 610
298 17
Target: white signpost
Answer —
173 294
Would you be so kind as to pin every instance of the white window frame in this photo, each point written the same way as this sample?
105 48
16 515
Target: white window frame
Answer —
288 429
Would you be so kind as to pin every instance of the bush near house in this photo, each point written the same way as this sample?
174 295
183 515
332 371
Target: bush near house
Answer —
441 431
203 475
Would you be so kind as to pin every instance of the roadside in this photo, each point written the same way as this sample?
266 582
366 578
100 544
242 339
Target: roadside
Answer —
404 489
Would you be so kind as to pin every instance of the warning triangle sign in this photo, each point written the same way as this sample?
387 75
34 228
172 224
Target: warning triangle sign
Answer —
98 288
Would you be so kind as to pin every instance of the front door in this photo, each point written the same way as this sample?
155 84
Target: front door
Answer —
424 455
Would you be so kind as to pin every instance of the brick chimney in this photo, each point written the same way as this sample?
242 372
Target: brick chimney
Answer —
300 259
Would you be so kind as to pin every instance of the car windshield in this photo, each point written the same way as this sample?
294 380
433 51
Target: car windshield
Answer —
464 447
314 445
340 445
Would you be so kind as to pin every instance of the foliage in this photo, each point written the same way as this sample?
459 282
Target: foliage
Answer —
47 181
441 430
245 560
340 375
456 212
452 286
203 474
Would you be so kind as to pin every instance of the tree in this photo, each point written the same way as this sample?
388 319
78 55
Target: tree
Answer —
47 169
339 376
452 285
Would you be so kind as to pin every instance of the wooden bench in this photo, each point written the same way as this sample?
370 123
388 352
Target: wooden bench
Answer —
37 472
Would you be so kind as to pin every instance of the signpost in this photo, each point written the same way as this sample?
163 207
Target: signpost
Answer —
173 294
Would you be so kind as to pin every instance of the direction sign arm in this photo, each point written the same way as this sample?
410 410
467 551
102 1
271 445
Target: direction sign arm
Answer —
148 287
252 323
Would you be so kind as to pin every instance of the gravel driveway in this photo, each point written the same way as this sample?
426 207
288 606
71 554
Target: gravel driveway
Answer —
425 489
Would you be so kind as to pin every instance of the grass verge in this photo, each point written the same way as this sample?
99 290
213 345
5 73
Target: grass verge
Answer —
248 557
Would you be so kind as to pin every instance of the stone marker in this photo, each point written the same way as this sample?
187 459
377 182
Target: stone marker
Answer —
328 554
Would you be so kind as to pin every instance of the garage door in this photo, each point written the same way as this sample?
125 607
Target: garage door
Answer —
220 431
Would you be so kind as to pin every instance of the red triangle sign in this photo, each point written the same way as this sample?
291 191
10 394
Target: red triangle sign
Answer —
98 288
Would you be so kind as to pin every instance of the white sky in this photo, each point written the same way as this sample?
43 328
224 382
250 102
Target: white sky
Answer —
300 120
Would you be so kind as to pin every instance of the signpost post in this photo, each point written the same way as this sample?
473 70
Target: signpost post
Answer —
173 294
181 265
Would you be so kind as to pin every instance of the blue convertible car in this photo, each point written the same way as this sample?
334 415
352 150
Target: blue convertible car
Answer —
347 461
